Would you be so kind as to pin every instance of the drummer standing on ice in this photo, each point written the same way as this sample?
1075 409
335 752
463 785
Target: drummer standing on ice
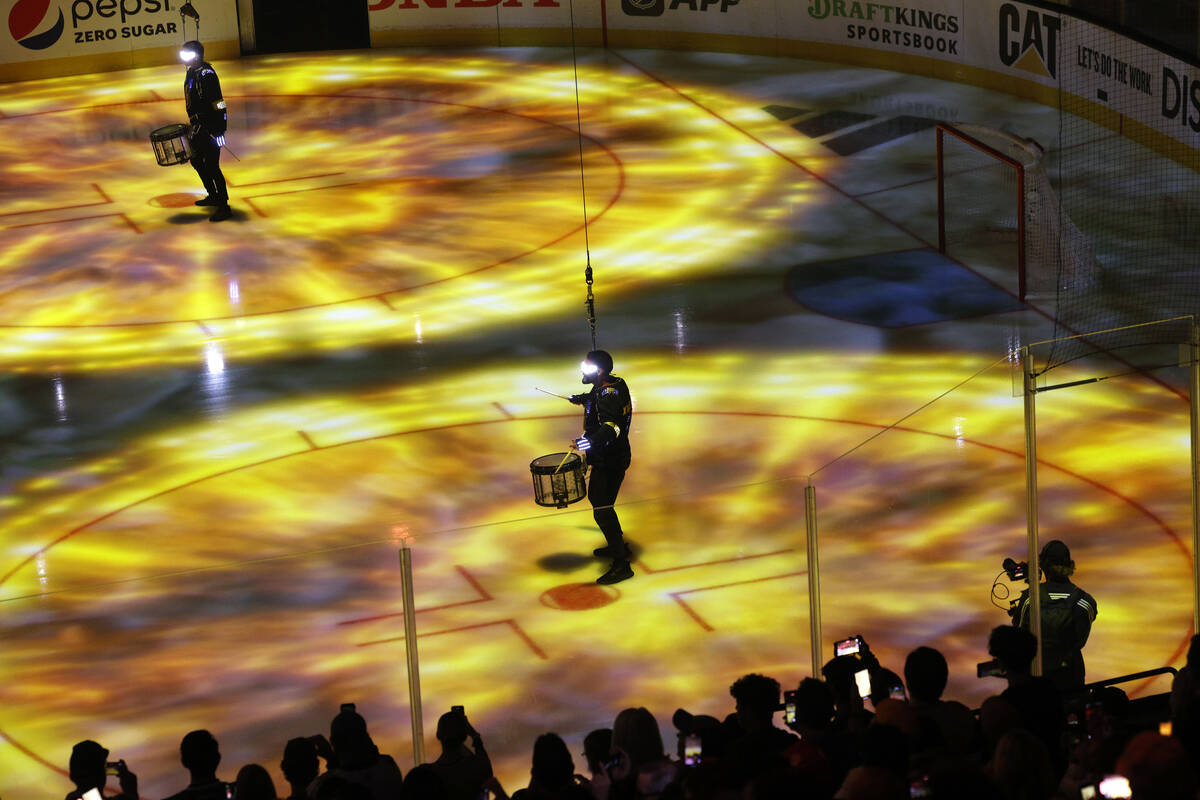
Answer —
607 413
209 120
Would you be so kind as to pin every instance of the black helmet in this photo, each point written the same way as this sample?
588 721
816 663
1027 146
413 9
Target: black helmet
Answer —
601 359
192 52
596 362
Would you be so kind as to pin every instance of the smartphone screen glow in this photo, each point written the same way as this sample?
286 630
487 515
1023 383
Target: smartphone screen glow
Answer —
863 679
692 750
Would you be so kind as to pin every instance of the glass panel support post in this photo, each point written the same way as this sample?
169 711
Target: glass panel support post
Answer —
410 652
1033 571
814 579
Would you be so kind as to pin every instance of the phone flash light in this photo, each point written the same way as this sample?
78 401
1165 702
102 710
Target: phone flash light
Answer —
1115 786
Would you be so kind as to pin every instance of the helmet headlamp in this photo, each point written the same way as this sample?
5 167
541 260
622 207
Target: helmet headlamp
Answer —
187 55
588 368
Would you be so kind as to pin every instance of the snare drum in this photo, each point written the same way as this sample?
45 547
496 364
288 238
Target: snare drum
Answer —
172 145
558 479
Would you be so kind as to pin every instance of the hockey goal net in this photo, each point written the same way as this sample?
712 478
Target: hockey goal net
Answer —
997 208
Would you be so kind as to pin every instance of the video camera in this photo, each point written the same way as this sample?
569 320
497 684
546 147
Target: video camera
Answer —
1015 570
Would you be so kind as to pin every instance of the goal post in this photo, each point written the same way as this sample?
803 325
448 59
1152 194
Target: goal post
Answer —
998 209
997 172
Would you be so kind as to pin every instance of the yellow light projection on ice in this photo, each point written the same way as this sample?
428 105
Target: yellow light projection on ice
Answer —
381 199
158 588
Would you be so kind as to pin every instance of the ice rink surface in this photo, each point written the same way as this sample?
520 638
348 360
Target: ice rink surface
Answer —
212 433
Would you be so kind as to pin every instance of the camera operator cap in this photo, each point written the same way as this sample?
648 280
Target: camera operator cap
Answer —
1056 552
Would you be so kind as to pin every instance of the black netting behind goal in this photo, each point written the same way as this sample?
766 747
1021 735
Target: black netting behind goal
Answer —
1127 200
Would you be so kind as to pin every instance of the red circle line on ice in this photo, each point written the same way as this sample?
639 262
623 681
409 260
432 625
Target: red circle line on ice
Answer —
592 219
1158 521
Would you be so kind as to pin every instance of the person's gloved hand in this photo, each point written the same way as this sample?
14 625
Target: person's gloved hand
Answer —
582 444
578 399
220 140
128 781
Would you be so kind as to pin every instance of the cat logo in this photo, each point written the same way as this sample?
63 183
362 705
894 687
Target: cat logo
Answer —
1029 41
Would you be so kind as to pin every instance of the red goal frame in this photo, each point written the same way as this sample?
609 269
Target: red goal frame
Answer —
944 130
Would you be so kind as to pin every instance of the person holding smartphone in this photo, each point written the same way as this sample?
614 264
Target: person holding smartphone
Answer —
463 769
352 756
89 769
756 699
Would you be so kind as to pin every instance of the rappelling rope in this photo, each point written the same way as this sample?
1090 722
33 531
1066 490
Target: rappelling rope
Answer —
590 303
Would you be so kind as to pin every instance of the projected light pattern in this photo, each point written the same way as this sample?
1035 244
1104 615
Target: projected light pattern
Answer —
207 569
381 199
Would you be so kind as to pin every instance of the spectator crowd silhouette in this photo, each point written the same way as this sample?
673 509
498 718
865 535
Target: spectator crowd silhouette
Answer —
840 738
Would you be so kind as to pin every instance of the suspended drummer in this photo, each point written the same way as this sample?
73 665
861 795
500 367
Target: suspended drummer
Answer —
607 413
209 119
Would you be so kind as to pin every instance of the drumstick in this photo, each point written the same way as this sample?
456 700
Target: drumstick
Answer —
552 394
566 455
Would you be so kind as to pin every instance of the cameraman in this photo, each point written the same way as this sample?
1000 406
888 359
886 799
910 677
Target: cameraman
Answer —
1067 616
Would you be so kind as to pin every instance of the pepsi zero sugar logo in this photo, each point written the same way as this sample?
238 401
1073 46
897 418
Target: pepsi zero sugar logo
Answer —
34 25
885 23
655 8
39 24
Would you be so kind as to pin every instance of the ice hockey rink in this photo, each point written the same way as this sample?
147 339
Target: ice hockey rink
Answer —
214 436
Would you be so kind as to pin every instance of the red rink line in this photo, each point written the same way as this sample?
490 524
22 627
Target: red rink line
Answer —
283 180
130 223
484 597
26 751
733 560
106 201
123 218
678 596
511 623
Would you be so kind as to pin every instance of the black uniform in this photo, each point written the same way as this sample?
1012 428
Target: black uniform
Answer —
607 414
1067 616
209 119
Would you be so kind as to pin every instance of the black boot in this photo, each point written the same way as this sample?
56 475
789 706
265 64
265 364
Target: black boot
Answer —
619 571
